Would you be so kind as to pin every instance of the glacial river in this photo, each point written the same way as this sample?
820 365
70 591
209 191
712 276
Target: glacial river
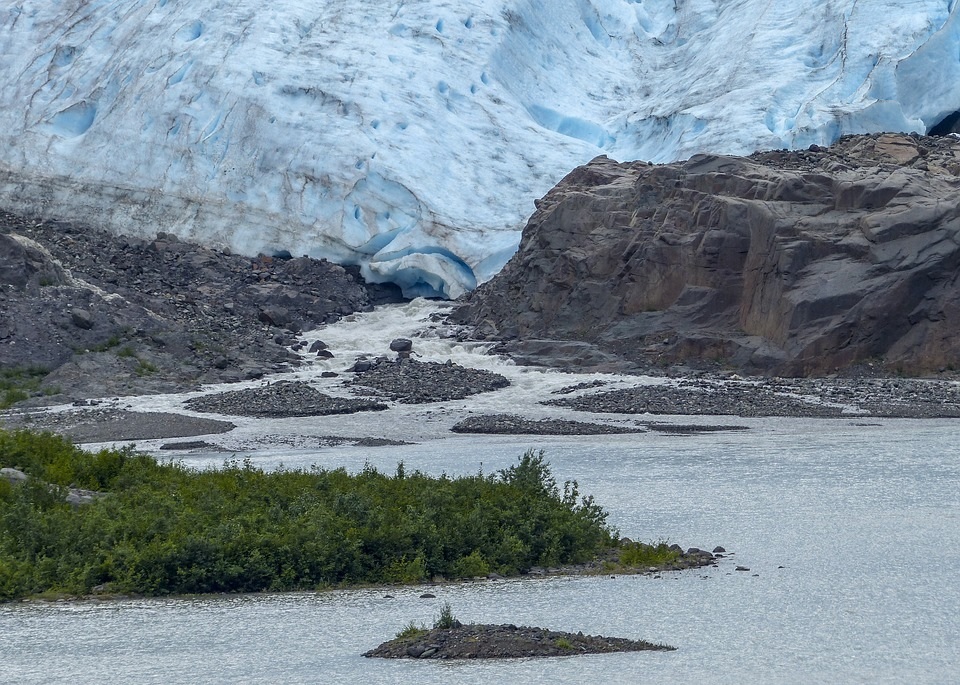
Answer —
851 533
850 528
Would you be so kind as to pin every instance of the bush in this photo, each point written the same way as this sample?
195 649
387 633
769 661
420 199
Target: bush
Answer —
446 620
164 528
471 566
641 554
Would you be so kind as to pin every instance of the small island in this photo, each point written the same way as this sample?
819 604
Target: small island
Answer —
480 641
451 639
118 522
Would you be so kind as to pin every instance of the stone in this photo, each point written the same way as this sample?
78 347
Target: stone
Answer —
81 318
317 346
79 498
719 550
401 345
13 476
275 316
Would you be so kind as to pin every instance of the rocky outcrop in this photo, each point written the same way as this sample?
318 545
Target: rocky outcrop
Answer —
75 497
107 314
785 262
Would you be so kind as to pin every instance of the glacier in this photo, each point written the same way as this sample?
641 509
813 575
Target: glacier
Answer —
411 137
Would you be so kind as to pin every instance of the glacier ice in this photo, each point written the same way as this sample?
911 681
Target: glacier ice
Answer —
411 136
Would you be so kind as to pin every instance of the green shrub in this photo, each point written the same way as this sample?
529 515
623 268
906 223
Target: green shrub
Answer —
403 571
144 367
641 554
446 620
164 528
471 566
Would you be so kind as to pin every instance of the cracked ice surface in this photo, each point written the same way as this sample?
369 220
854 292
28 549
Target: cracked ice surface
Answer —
411 136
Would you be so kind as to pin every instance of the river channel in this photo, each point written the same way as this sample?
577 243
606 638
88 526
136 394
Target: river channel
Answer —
850 529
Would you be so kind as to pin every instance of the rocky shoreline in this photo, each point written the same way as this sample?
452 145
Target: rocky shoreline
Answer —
850 399
92 425
283 399
764 397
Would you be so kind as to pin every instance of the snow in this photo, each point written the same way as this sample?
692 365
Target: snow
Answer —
412 136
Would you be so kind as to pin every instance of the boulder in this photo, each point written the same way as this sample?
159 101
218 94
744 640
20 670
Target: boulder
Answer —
275 316
785 263
81 318
13 476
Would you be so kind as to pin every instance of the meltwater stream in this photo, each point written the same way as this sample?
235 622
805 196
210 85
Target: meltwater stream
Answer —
850 529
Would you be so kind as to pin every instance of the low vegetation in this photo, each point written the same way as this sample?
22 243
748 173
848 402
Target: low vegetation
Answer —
164 528
445 620
640 554
18 384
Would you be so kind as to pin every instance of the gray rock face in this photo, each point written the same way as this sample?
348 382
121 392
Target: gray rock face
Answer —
787 263
109 314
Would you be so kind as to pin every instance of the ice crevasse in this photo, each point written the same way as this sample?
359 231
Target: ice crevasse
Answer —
412 136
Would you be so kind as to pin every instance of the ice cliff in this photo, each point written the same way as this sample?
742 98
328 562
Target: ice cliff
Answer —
412 136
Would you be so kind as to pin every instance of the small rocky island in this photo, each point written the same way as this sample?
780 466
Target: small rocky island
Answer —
481 641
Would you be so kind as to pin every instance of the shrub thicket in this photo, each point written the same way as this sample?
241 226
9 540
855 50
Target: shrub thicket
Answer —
165 528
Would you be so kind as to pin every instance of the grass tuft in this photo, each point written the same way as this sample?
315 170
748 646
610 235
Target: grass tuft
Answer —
412 631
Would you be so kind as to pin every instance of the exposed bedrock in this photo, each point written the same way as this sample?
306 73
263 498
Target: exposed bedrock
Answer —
97 314
789 263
